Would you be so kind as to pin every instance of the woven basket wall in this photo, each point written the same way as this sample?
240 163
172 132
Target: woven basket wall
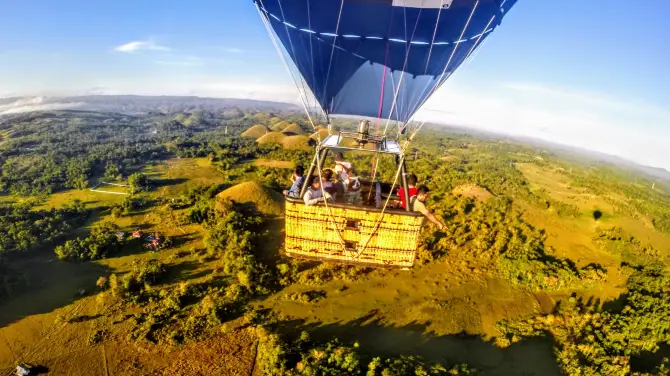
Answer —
310 234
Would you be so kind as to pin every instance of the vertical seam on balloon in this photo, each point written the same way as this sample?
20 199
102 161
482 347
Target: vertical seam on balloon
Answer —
432 42
266 22
466 57
302 83
332 51
402 75
453 52
311 54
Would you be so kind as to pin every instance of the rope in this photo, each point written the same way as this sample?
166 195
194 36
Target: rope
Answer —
331 220
290 41
266 22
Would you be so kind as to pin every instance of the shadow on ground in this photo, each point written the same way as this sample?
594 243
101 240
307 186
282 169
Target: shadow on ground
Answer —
529 357
51 284
159 183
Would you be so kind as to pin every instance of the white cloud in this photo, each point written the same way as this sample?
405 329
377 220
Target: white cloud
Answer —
258 88
135 46
629 128
233 50
34 104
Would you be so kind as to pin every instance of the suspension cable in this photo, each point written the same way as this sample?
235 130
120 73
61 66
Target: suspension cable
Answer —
432 42
402 76
302 95
469 54
332 51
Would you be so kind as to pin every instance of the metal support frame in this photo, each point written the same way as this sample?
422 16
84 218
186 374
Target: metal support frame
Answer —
321 154
403 179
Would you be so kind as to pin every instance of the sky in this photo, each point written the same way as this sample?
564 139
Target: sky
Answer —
592 74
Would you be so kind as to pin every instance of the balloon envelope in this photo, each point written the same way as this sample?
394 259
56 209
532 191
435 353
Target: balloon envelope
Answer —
379 58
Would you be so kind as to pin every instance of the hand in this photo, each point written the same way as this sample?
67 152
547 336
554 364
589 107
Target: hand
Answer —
441 226
327 195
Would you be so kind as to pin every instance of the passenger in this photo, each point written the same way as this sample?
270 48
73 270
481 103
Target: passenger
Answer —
298 180
327 183
353 190
416 204
411 187
342 168
314 193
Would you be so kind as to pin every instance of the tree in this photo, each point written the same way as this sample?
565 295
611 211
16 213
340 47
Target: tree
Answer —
138 182
112 172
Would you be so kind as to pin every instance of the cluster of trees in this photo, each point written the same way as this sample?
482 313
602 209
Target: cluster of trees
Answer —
494 235
53 151
138 182
610 183
591 340
617 241
22 227
133 285
233 235
128 204
102 242
303 356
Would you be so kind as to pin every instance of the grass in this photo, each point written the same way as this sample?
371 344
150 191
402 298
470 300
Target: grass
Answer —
274 164
30 327
256 131
264 199
559 188
446 309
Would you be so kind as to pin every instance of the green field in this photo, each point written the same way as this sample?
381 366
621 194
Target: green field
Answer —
524 237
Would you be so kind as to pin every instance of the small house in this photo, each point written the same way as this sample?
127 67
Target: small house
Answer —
137 234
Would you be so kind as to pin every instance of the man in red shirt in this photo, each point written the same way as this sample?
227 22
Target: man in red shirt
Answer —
411 187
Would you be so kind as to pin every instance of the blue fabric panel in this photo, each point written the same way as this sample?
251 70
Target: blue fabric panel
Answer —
415 46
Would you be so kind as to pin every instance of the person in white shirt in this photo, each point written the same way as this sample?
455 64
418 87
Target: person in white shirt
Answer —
314 193
342 168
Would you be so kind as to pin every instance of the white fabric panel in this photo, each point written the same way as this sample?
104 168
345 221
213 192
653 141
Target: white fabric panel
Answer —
432 4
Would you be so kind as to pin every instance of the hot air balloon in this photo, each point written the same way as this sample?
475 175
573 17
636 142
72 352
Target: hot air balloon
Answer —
377 59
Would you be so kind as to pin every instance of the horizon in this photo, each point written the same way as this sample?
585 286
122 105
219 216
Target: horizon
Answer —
538 142
551 71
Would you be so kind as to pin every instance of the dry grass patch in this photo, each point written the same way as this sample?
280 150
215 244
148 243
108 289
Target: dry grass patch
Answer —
265 199
473 191
256 131
271 138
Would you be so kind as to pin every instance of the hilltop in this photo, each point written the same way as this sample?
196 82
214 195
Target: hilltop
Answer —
265 200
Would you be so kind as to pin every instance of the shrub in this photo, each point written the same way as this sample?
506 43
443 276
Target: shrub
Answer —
591 341
101 243
102 283
96 337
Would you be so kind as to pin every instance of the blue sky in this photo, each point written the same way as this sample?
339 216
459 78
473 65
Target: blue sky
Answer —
587 73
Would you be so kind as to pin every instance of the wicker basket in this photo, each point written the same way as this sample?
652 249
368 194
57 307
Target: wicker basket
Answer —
310 234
